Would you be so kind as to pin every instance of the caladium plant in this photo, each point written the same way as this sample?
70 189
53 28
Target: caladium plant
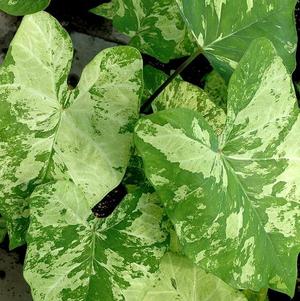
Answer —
211 208
49 131
23 7
224 35
218 31
154 27
234 198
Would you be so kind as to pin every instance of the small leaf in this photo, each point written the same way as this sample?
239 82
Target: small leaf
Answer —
51 132
234 199
70 257
181 280
155 27
225 28
181 94
216 89
23 7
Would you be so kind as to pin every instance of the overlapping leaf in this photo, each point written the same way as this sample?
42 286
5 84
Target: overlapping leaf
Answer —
181 94
216 88
225 28
181 280
23 7
234 200
155 27
71 257
51 132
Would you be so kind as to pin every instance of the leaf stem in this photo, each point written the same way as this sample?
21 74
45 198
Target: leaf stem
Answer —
147 104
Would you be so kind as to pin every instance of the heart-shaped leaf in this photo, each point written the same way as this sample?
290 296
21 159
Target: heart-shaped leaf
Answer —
155 27
234 199
225 28
23 7
49 131
71 257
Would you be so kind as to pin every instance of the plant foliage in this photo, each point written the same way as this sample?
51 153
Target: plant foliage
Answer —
50 132
211 208
23 7
228 195
225 28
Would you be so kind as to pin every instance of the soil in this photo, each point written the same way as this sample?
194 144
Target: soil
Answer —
74 16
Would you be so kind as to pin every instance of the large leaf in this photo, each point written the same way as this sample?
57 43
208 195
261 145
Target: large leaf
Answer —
155 27
71 257
181 280
23 7
234 200
225 28
51 132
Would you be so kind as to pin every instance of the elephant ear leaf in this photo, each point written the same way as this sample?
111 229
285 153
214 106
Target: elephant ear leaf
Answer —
49 131
70 256
234 199
225 35
23 7
154 27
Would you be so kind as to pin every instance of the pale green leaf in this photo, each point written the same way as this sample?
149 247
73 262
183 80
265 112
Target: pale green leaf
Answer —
155 27
23 7
71 257
49 131
225 28
181 94
181 280
105 10
234 199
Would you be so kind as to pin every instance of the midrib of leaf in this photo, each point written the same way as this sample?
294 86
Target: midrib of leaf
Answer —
230 169
48 164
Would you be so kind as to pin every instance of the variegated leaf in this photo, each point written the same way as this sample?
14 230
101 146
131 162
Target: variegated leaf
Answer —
216 88
225 28
49 131
71 257
181 280
234 200
23 7
155 27
181 94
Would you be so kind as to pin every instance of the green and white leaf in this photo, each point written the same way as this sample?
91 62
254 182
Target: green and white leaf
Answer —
225 28
51 132
216 89
181 94
181 280
155 27
234 199
71 257
23 7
